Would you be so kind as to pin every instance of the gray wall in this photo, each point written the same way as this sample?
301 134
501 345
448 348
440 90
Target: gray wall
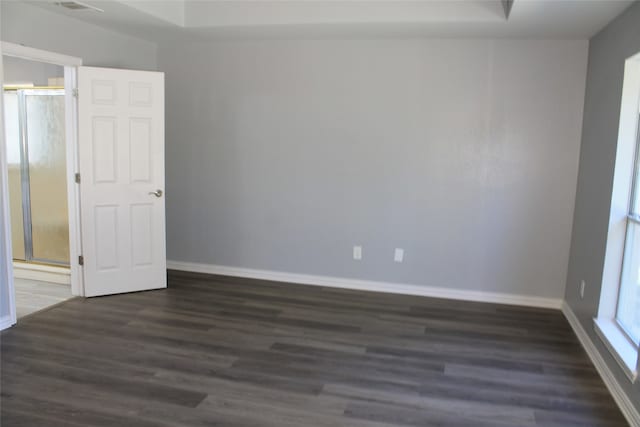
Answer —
32 26
607 54
18 70
282 155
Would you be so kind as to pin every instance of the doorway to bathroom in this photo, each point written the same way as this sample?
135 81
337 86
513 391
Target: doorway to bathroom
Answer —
34 114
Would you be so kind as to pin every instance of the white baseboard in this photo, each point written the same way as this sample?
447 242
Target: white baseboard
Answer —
623 401
44 273
6 322
368 285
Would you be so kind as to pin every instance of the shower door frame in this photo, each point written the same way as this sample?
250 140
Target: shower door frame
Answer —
25 173
70 64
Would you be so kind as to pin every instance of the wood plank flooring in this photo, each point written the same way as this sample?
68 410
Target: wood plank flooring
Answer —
219 351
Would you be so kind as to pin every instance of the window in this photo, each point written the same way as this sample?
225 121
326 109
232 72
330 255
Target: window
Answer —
618 320
628 308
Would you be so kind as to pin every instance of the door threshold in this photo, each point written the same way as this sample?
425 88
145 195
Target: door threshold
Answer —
42 272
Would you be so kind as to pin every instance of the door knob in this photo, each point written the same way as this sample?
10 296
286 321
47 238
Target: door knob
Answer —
157 193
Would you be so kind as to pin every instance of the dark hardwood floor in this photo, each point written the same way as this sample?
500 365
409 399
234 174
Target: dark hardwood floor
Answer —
218 351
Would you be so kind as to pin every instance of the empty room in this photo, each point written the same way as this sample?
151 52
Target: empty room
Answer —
356 213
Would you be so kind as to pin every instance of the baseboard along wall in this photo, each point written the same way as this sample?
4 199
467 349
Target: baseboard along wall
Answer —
5 322
621 398
367 285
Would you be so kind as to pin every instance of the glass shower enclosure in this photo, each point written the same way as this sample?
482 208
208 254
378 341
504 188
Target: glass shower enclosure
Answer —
35 137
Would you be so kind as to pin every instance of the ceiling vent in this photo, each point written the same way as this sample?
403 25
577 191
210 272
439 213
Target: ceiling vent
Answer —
76 5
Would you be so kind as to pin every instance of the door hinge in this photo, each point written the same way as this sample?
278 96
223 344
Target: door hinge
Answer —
81 260
74 92
77 178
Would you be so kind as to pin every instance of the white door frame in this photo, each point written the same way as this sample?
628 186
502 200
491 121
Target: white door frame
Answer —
70 65
6 265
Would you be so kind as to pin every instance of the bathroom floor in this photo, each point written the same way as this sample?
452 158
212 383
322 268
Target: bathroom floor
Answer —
34 295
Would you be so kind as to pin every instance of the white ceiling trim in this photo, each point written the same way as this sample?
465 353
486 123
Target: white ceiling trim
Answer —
165 20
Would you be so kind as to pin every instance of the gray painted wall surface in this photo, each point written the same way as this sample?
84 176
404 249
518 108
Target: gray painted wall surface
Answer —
35 27
607 54
18 70
282 155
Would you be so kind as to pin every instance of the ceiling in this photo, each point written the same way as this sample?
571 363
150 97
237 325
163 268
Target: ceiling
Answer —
163 20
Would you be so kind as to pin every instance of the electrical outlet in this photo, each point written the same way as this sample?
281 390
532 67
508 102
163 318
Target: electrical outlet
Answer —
582 286
357 253
398 255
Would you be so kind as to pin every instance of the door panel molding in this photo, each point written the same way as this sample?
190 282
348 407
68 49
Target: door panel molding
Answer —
121 129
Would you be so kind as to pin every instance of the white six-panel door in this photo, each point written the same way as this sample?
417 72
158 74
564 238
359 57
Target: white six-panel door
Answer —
121 152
